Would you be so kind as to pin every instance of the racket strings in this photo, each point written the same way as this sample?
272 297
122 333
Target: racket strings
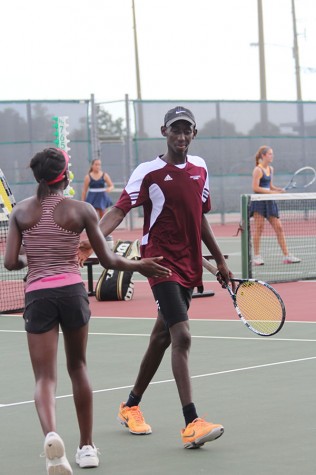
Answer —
260 307
303 178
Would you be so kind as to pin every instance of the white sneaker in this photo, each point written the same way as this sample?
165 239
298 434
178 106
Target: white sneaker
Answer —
291 260
258 261
56 460
87 456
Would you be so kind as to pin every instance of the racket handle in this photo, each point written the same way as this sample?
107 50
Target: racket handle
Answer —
208 266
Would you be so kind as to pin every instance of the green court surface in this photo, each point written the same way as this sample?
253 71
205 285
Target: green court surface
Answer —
261 389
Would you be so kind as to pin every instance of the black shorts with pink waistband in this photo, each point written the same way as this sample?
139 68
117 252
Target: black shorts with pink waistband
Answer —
66 306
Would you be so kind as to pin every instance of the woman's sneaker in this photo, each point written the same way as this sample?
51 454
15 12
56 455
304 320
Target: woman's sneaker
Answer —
87 456
56 460
258 261
291 260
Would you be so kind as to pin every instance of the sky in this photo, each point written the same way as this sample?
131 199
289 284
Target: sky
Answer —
188 49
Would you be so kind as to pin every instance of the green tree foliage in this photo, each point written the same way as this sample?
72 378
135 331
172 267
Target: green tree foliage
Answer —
268 129
13 127
219 128
41 123
107 126
81 133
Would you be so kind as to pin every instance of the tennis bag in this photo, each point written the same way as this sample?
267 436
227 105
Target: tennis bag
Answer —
118 284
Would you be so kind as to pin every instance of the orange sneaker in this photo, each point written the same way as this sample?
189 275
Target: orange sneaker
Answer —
198 432
133 419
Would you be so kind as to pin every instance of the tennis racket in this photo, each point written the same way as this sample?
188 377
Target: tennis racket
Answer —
302 178
6 193
258 305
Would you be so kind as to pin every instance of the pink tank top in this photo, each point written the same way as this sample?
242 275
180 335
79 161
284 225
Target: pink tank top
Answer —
50 249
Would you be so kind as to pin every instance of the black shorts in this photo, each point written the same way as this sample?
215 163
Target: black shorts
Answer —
173 301
46 308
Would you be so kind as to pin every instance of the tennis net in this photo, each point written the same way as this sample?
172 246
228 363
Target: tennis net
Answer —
297 213
11 282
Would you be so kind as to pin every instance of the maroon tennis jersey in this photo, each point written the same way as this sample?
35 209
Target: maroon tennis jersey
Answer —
173 197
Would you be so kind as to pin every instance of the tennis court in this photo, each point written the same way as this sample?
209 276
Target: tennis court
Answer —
261 389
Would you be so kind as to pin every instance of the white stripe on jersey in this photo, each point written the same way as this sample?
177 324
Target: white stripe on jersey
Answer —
138 174
200 162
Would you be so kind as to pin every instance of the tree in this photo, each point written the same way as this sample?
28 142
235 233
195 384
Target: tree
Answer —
80 133
13 127
41 123
107 127
268 129
219 128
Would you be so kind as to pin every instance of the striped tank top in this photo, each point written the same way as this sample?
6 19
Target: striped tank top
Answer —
50 249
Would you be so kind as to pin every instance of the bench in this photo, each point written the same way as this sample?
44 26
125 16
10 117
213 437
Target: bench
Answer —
93 260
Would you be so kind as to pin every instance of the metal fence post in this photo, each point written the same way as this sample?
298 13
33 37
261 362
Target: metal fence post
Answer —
129 154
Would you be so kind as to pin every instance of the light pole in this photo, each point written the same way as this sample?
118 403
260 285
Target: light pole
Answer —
263 86
138 84
139 91
296 56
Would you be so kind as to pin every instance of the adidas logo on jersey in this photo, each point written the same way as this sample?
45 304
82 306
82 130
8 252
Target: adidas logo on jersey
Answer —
168 178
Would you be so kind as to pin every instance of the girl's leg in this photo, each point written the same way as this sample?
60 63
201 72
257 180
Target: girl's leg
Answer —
43 353
75 348
258 229
278 229
101 212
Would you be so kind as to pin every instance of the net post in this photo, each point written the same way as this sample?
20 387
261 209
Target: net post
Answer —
245 244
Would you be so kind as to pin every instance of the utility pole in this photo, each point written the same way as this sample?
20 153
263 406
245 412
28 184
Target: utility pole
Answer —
138 83
296 56
139 92
300 106
95 145
263 86
262 65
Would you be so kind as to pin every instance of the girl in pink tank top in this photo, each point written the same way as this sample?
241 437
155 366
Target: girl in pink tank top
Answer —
47 227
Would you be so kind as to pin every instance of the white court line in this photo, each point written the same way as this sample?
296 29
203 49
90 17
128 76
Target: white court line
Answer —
206 375
206 337
208 320
209 337
192 320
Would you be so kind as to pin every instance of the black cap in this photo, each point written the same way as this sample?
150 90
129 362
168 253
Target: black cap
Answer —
179 113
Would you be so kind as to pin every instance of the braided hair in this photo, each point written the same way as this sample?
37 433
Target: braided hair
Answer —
47 166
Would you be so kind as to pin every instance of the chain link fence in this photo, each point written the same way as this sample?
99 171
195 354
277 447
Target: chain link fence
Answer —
229 134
